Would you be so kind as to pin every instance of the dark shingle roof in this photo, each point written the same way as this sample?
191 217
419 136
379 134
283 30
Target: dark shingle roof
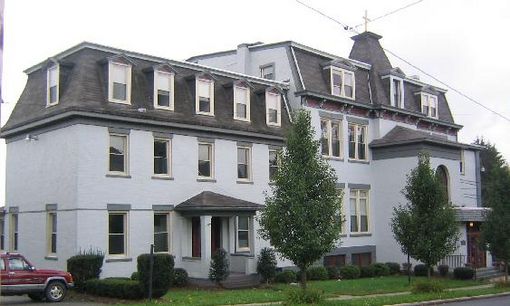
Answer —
210 201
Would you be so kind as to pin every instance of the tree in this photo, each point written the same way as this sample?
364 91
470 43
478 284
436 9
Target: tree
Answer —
490 160
218 270
425 228
266 264
496 228
302 217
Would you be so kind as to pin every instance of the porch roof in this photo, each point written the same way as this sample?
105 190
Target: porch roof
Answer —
468 214
210 202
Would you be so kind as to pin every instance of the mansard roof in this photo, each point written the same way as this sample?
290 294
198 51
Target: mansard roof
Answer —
208 201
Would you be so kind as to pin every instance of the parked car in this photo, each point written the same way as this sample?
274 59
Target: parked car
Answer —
19 276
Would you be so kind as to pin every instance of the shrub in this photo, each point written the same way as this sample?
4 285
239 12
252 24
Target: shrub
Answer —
180 278
308 296
218 270
405 265
317 273
463 273
266 264
287 276
381 269
85 266
421 270
367 271
427 287
394 267
135 276
162 273
333 272
115 288
443 270
501 285
350 272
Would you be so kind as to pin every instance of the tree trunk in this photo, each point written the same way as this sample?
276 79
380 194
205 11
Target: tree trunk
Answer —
428 271
408 269
303 278
506 271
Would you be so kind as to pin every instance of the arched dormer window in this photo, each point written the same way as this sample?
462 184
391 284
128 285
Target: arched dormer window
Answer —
444 178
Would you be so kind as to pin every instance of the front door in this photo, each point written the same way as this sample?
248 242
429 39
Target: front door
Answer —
476 256
215 234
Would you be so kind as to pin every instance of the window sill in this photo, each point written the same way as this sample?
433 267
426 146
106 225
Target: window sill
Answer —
162 177
244 182
170 109
242 120
51 257
119 259
275 125
119 101
205 114
360 234
242 254
358 161
333 158
207 180
118 175
191 258
52 104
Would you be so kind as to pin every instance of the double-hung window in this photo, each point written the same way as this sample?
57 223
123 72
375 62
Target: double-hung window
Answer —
162 158
342 83
2 234
331 138
273 163
359 210
273 107
267 72
205 160
243 234
163 90
13 239
357 142
161 236
397 92
52 85
118 155
462 163
244 163
241 103
119 88
204 97
429 105
117 234
51 238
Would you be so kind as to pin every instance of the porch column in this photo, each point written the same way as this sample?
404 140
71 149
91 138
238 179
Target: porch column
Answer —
205 234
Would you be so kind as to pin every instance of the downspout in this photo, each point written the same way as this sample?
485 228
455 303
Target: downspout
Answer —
287 106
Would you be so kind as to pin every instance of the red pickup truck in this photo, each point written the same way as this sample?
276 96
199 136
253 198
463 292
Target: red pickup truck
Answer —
18 276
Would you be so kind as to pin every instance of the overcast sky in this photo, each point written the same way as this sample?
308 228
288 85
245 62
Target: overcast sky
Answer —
463 43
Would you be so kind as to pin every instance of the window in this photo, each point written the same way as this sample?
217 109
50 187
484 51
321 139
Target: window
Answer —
273 113
334 261
244 163
342 83
52 85
267 72
117 234
118 154
204 97
163 90
361 259
196 242
359 209
397 92
241 103
205 160
429 105
358 142
462 163
2 235
52 233
119 89
444 178
331 138
161 233
14 232
273 163
18 264
162 164
243 234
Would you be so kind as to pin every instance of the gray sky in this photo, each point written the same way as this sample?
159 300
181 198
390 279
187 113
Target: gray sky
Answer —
461 42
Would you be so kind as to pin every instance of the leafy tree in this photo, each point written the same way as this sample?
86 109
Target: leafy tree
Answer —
266 264
218 270
425 228
302 217
496 228
490 160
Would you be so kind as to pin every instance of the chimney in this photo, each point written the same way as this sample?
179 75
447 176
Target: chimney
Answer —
243 58
367 49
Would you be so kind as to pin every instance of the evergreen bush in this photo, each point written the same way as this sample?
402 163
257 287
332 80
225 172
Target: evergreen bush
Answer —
317 273
121 288
219 269
286 277
394 268
443 270
266 264
163 269
333 272
421 270
367 271
180 278
85 266
463 273
350 272
381 269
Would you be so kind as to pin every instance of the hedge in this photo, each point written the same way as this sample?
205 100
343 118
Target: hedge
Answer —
180 278
394 267
443 270
115 288
350 272
463 273
163 269
84 267
317 273
381 269
287 276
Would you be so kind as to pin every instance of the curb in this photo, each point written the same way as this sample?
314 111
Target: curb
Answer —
460 299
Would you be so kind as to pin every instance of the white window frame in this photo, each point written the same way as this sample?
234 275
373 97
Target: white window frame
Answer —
14 232
211 160
342 73
392 92
462 163
248 248
50 233
269 162
125 216
171 77
167 216
358 198
211 96
356 141
278 110
128 67
126 155
236 94
248 165
168 157
329 123
263 67
54 69
426 99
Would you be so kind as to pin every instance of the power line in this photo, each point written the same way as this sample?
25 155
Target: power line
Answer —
352 29
389 13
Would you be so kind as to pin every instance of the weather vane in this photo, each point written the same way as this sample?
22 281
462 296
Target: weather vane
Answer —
366 20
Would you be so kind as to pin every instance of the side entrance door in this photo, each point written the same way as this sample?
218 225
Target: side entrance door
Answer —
476 256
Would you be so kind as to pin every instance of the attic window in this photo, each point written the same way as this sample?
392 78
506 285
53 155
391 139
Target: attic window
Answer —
204 103
52 85
163 90
342 83
273 106
397 92
241 103
429 105
119 84
267 71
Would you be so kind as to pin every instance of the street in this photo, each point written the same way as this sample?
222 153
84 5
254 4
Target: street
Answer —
25 300
495 301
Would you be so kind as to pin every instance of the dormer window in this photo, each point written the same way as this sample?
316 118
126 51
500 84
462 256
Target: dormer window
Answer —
163 90
204 97
119 89
342 83
52 85
429 105
241 103
273 106
397 92
267 71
